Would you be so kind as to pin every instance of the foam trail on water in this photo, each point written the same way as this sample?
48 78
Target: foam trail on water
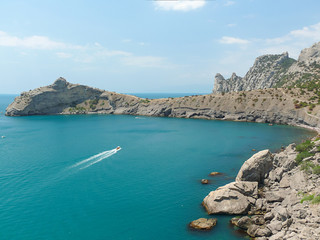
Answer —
99 159
92 158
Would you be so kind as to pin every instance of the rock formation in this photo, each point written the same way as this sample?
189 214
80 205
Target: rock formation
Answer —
233 198
256 167
287 203
203 223
265 73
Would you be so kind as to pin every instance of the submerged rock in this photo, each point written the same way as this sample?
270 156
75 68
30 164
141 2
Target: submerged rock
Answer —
233 198
203 223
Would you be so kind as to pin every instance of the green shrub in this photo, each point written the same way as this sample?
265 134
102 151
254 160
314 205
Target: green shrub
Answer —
307 166
302 156
316 169
305 146
316 200
307 198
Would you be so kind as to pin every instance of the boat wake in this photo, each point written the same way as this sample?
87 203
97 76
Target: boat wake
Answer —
95 159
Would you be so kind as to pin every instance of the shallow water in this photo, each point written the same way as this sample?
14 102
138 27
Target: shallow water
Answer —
149 189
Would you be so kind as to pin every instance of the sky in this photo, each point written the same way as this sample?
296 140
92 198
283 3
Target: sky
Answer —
139 46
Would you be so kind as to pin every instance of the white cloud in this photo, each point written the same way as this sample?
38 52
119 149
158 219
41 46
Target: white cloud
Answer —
63 55
311 32
293 42
179 5
233 40
33 42
229 3
112 53
82 54
231 25
144 61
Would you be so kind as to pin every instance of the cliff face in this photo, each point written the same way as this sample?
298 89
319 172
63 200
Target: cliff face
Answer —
274 71
51 99
265 73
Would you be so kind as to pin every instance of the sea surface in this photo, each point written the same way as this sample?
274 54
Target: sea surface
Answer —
61 177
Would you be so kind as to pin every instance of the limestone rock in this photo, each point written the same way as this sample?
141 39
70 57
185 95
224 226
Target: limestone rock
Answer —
265 73
273 197
310 55
256 167
203 223
244 222
233 198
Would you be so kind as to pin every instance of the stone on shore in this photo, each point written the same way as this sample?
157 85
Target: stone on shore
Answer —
233 198
203 223
256 167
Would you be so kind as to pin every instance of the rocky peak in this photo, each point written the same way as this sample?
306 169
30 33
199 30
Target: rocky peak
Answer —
310 55
227 85
60 83
265 73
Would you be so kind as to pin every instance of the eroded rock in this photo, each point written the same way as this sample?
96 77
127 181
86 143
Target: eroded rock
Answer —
203 223
256 167
233 198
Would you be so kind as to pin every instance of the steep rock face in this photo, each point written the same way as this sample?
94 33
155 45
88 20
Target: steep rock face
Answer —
307 68
310 55
265 73
233 84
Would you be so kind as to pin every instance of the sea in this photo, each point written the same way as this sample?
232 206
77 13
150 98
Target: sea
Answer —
61 177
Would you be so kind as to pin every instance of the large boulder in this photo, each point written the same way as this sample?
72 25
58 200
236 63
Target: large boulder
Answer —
256 167
233 198
203 223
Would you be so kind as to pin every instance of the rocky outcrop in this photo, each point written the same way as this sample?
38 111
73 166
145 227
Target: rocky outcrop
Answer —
310 55
256 167
51 99
232 84
266 71
203 223
274 71
233 198
284 200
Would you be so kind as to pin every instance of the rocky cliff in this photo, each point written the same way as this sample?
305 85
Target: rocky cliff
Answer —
274 71
265 73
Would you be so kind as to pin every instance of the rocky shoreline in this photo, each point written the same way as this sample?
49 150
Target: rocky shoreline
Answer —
278 196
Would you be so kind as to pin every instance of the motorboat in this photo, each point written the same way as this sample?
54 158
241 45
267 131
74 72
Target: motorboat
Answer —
118 148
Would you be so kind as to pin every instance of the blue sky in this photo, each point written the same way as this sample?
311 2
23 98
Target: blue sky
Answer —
146 46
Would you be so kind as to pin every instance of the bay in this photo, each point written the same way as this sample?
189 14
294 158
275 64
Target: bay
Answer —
53 186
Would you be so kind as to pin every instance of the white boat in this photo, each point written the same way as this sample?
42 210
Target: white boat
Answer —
5 136
118 148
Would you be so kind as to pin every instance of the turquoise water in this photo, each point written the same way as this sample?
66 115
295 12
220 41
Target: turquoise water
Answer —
149 190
